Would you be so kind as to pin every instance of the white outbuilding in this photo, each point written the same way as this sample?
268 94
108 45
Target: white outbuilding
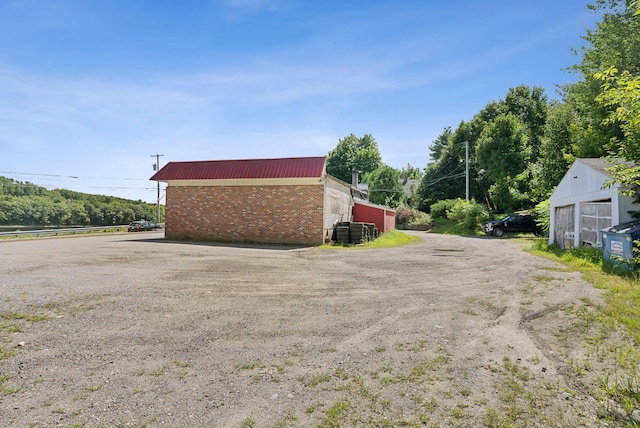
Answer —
585 202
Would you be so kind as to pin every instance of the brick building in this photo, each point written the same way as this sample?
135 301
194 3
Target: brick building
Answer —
280 201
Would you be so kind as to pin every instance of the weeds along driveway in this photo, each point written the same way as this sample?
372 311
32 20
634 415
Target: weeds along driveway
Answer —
140 331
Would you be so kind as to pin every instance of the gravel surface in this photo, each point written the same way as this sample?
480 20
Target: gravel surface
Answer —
133 330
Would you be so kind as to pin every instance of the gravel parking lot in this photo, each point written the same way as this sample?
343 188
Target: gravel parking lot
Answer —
133 330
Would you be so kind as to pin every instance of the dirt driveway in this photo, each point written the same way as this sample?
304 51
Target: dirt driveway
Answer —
140 332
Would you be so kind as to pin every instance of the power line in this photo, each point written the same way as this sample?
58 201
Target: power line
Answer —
449 177
65 183
50 186
43 175
72 176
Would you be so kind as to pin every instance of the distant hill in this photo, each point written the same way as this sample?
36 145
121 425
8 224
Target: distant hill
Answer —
26 204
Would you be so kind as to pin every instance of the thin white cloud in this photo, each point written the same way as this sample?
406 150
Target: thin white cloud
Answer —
288 97
277 83
71 105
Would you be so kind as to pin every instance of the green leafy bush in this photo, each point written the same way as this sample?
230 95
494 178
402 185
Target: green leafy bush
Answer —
421 221
469 214
412 219
440 208
542 213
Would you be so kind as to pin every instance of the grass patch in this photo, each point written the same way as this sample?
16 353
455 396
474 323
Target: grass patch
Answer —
613 328
12 322
23 316
543 279
289 420
518 399
393 238
248 423
314 380
447 226
4 390
6 353
334 415
623 293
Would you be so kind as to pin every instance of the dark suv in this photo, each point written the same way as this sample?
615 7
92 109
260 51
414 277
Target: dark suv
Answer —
523 223
140 225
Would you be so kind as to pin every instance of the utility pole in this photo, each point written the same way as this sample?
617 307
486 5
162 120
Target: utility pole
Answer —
466 150
156 167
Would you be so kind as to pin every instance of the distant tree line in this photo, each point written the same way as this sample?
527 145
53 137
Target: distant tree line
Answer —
26 204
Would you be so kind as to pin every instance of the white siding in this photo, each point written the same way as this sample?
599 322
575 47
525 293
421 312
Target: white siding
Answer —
338 203
581 183
584 184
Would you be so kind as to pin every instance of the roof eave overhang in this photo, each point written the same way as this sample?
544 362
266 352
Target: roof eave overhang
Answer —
296 181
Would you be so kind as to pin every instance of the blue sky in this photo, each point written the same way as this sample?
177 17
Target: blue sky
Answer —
91 89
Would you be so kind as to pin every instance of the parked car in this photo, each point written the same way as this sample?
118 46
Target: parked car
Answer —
140 226
518 222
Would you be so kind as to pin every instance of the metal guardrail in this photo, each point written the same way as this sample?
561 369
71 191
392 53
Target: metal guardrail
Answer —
67 231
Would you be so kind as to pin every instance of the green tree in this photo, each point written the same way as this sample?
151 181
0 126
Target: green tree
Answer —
28 204
502 151
77 214
613 43
469 214
440 144
530 106
384 186
621 93
410 172
610 88
443 178
353 154
555 153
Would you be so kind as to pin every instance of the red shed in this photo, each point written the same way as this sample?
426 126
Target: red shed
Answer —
383 217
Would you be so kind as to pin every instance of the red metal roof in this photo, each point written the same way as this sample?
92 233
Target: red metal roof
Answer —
238 169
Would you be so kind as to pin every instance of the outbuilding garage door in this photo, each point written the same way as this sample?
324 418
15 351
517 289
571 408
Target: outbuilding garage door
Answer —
594 216
564 227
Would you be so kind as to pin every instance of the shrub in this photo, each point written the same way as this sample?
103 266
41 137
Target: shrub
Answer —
469 214
542 214
440 208
409 218
403 215
421 221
